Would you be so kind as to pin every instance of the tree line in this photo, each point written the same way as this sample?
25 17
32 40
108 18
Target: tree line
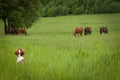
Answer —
77 7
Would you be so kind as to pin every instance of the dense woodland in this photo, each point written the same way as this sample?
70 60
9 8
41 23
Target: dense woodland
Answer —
77 7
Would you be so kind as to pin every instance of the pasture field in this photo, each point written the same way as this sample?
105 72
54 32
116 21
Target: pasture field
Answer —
53 54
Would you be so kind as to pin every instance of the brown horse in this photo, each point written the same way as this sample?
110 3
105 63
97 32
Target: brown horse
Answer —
87 31
22 31
10 30
78 30
103 30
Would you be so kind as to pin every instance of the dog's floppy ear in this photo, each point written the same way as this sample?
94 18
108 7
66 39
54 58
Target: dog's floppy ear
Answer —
16 52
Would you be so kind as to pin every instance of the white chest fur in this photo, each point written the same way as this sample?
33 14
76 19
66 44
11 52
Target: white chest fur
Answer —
20 59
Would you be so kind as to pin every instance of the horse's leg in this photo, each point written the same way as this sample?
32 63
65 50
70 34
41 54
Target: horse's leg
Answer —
81 34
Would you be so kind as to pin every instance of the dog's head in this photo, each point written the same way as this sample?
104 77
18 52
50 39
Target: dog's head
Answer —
19 52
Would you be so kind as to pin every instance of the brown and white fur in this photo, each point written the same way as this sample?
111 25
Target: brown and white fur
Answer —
20 59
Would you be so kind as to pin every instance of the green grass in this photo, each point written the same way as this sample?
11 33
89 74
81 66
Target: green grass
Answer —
53 54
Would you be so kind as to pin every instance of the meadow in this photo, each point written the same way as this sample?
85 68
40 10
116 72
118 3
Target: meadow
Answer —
53 54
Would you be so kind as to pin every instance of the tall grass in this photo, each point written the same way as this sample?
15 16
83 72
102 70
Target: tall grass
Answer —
53 54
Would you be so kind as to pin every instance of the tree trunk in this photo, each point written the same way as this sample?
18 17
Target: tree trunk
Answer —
5 25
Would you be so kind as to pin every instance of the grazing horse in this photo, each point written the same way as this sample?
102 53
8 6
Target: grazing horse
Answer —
78 31
87 30
10 30
22 31
103 30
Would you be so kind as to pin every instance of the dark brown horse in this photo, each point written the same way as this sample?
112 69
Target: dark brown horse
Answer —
103 30
21 31
87 31
78 31
10 30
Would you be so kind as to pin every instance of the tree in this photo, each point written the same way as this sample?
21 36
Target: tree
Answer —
19 13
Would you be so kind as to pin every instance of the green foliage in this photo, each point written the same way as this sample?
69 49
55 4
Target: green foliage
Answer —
20 13
51 11
81 7
62 10
79 10
44 11
115 6
15 21
55 11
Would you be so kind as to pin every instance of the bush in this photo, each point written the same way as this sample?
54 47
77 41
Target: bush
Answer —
115 7
79 10
55 11
62 10
44 12
52 12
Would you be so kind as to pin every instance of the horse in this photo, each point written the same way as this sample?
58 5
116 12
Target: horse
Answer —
87 31
78 30
103 30
10 30
21 31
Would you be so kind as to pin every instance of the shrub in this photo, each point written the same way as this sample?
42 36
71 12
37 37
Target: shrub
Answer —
79 10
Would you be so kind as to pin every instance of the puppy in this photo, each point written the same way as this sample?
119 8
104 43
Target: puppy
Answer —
20 52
